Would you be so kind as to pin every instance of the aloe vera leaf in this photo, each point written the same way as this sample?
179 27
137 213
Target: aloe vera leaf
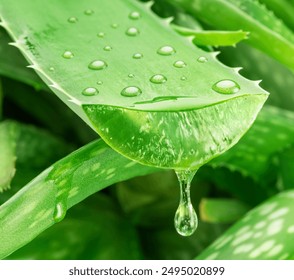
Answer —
93 229
58 188
266 232
267 32
43 35
286 168
272 133
284 9
212 37
8 134
13 65
221 210
257 65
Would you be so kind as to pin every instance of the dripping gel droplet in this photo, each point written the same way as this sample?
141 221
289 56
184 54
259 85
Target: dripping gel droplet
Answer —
186 220
131 91
226 87
166 50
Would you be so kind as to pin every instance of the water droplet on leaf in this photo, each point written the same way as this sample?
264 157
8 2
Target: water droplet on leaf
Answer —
186 220
131 91
202 59
68 55
131 75
180 64
134 15
137 55
90 91
166 50
52 69
226 87
99 83
183 78
132 31
107 48
88 12
158 79
101 34
72 20
97 65
114 25
59 211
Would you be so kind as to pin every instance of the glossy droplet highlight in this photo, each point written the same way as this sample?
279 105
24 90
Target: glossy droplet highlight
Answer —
99 83
202 59
226 87
90 91
72 20
131 91
59 211
158 79
134 15
183 78
137 56
52 69
186 220
166 50
132 31
97 65
180 64
107 48
68 55
131 75
114 25
101 34
88 12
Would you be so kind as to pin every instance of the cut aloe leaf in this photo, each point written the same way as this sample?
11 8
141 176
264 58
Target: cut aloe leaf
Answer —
150 93
265 233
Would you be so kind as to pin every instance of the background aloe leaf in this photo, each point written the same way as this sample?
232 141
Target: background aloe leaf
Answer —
185 97
221 210
213 38
250 16
286 167
264 233
44 201
94 229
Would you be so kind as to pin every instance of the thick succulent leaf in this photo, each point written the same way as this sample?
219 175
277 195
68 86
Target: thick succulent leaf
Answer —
94 229
286 168
267 32
272 133
266 232
8 137
284 9
44 201
205 122
221 210
212 37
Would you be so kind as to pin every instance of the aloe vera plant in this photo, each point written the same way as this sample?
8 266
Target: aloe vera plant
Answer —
154 97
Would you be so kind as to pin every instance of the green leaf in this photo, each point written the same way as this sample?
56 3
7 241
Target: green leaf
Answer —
44 201
212 37
265 233
286 168
221 210
272 133
60 50
267 32
94 229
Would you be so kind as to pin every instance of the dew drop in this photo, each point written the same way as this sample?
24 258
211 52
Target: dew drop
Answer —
158 79
180 64
166 50
97 65
72 20
131 91
52 69
226 87
202 59
137 55
183 78
90 91
68 55
186 220
131 75
101 34
114 25
88 12
99 83
132 31
107 48
59 211
134 15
